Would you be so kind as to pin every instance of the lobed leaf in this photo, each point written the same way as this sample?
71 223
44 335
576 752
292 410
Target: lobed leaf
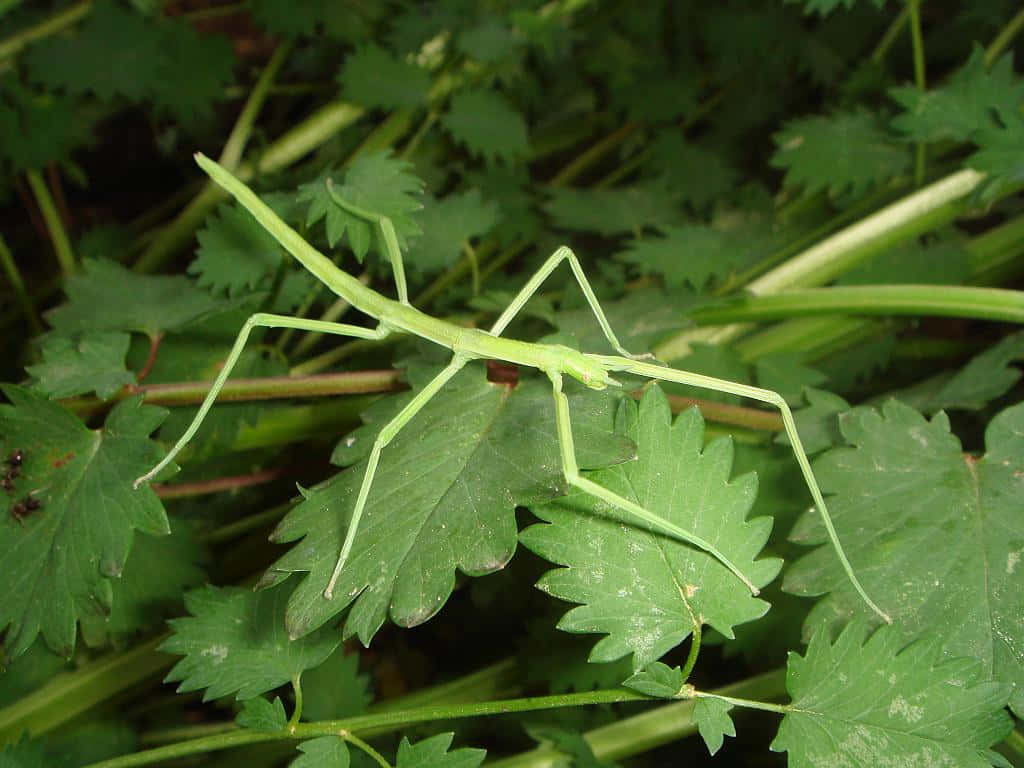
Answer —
92 362
646 592
376 78
324 752
235 253
487 125
433 753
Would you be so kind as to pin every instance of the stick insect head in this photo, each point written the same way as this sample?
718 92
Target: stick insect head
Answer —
585 369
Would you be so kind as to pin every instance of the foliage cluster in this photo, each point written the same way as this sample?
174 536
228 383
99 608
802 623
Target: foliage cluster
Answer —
818 197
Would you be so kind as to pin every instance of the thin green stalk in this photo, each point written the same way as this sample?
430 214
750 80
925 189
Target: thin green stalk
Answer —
891 34
71 693
376 756
58 235
920 212
592 154
13 275
993 304
231 155
51 26
1004 38
779 709
647 730
691 659
917 42
297 712
1015 742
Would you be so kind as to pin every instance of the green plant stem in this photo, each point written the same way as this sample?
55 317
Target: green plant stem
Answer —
51 26
932 206
71 693
373 753
315 130
1015 742
231 155
994 304
647 730
13 275
58 235
217 484
297 712
1004 38
691 658
892 32
917 42
763 706
267 388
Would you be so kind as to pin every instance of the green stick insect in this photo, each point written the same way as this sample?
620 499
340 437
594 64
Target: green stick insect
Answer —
467 344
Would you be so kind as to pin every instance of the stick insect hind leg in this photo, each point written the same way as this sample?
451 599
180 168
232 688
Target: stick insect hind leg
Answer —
663 373
260 319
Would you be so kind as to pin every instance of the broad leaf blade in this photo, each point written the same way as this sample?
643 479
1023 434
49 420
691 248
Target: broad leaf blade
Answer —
945 534
235 642
875 702
59 558
645 591
433 753
443 498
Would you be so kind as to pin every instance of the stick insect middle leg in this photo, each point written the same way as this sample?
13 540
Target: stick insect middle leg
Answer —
664 373
385 436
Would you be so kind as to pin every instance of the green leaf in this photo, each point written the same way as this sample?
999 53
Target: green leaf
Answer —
60 558
940 264
447 224
93 362
235 253
845 153
259 714
969 102
324 752
376 78
611 211
295 18
716 360
691 254
443 498
986 377
713 722
24 754
374 182
335 689
151 586
486 125
692 173
195 71
639 318
947 533
785 373
433 753
105 296
657 679
825 7
817 423
571 744
644 591
876 702
235 643
37 129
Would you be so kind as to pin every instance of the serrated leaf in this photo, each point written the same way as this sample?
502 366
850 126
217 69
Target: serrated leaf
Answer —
713 722
968 102
843 153
443 498
92 362
235 643
947 533
375 78
486 125
986 377
571 745
825 7
37 129
106 296
374 182
433 753
611 211
691 254
60 558
235 253
151 586
695 174
260 714
786 374
324 752
295 18
447 224
335 689
195 70
644 591
876 702
657 679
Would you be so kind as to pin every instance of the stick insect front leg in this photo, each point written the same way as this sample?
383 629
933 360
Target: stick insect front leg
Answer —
385 436
663 373
260 319
562 254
